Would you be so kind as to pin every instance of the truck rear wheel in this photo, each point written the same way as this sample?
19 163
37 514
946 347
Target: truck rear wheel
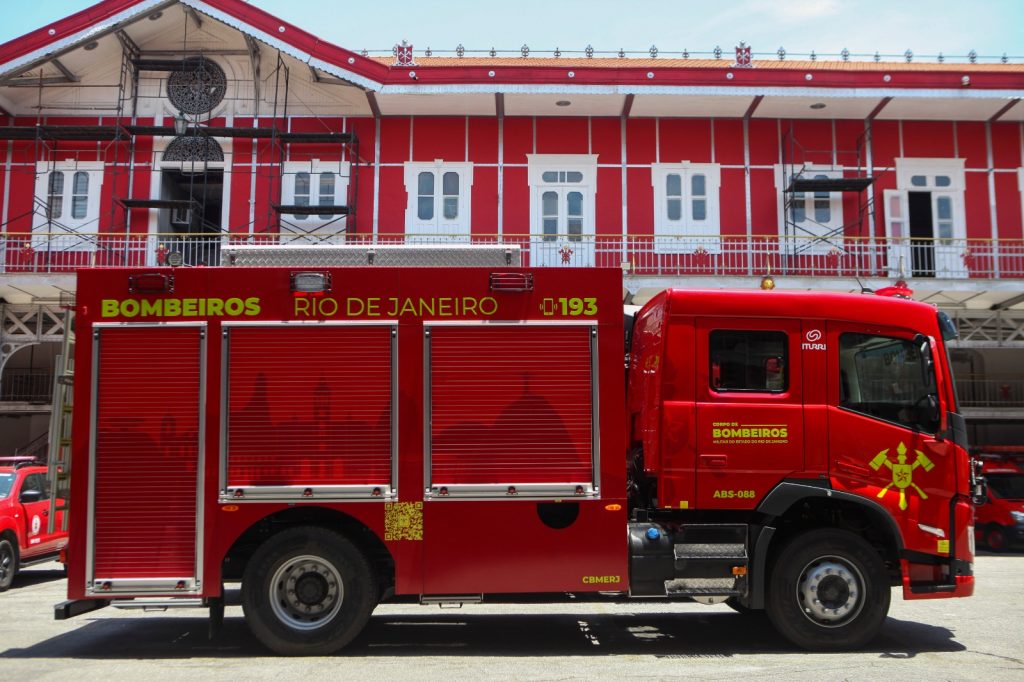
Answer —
307 591
8 564
828 591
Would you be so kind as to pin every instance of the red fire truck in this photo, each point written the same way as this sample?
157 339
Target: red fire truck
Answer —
338 437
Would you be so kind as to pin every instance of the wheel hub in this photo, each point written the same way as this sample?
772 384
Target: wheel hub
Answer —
830 591
311 589
306 592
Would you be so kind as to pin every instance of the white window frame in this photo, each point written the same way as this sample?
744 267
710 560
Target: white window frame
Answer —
687 233
954 169
562 250
947 256
42 227
585 164
439 227
1020 187
313 224
813 238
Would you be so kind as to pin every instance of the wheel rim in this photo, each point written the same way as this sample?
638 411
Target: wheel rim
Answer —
996 540
830 591
306 592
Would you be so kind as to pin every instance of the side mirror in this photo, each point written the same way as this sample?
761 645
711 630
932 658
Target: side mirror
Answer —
924 346
30 496
979 487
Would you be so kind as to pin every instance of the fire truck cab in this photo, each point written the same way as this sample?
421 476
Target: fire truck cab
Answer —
335 437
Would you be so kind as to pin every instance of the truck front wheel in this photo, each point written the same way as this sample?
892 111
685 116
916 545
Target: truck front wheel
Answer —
307 591
828 591
8 563
995 538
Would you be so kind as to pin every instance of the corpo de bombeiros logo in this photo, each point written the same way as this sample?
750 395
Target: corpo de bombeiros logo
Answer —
812 340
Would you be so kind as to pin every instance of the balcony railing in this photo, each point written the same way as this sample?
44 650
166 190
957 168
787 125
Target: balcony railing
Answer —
637 254
990 390
26 385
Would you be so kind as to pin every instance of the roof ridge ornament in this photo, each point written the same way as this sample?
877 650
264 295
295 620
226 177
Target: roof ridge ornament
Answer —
403 55
743 57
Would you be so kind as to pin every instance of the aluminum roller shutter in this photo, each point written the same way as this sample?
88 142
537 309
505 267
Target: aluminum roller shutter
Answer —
511 404
147 453
309 406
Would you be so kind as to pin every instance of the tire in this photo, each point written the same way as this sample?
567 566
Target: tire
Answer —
995 538
307 591
8 563
850 576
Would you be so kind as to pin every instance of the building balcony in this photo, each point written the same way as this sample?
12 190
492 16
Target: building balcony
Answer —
965 266
26 386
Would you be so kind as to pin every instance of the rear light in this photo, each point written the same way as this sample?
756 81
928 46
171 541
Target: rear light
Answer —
512 281
151 283
310 283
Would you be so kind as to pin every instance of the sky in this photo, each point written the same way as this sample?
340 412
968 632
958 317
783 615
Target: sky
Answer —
926 27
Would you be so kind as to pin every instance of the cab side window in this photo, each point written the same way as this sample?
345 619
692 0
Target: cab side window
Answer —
756 361
886 378
33 482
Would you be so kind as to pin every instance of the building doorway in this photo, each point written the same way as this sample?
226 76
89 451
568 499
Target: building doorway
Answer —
193 225
191 217
922 236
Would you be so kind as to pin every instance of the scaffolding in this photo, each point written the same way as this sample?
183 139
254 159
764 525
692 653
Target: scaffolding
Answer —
297 211
811 178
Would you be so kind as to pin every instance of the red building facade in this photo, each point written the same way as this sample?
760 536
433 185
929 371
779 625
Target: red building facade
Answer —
818 172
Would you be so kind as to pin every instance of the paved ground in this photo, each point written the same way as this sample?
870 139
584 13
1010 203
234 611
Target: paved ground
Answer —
981 638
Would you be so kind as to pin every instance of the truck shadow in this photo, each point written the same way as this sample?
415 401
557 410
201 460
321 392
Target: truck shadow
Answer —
36 576
671 635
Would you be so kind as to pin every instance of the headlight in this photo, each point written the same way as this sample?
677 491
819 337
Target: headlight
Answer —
1017 516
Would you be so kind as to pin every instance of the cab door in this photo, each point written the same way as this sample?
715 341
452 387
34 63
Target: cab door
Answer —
885 422
749 409
36 507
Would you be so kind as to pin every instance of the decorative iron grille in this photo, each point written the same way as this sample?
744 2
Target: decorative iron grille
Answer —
198 87
199 148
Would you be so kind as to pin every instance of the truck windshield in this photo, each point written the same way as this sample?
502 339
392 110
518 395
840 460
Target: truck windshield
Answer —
1006 486
886 378
6 481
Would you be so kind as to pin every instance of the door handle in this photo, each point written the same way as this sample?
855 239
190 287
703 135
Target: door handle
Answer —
714 461
46 512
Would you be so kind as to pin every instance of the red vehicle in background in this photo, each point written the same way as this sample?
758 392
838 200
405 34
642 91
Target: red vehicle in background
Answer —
999 522
24 508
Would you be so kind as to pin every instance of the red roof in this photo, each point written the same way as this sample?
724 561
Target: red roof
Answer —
596 71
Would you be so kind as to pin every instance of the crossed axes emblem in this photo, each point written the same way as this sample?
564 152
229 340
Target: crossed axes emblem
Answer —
902 472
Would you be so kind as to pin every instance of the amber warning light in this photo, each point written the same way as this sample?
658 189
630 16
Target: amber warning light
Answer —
310 283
